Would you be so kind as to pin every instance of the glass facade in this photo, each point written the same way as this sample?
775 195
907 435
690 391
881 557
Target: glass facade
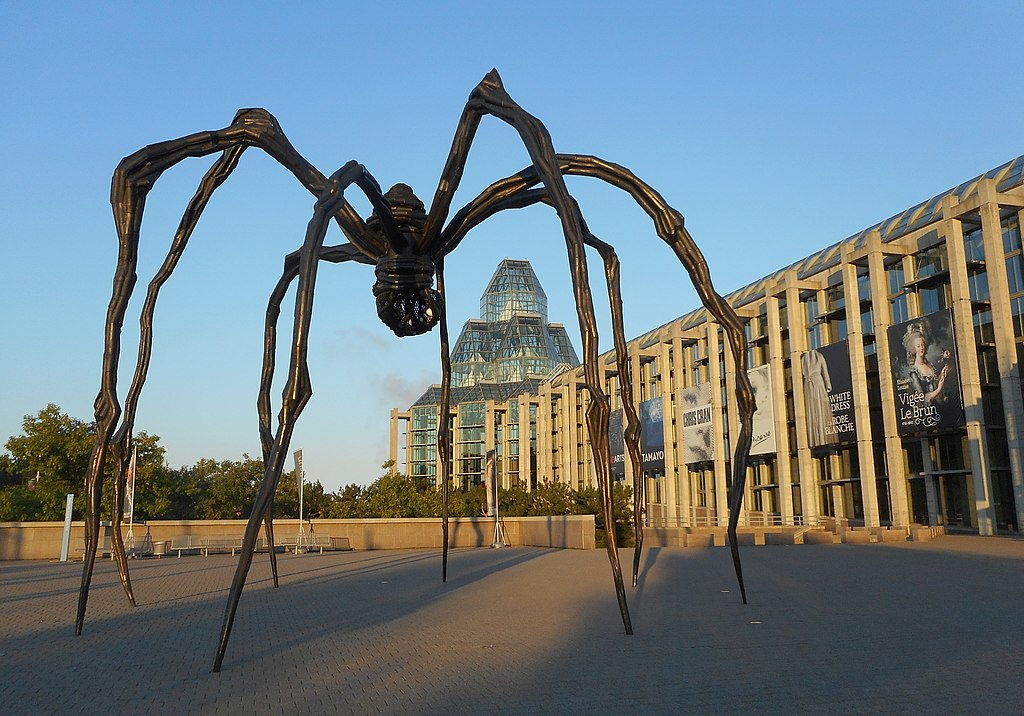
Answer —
499 361
512 341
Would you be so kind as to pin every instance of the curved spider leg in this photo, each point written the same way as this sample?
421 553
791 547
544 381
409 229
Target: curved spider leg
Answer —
333 254
512 193
133 179
669 225
121 440
631 432
444 419
297 389
489 97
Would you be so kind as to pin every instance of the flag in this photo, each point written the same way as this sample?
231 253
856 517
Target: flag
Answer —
129 488
299 474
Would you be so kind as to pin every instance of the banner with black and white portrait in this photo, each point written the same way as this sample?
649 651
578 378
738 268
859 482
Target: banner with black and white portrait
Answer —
763 441
698 424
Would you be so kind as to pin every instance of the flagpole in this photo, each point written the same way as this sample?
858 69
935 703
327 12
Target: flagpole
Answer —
300 538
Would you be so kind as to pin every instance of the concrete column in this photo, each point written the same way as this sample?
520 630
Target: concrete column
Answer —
862 413
716 378
544 435
668 367
778 397
393 444
882 314
525 467
733 422
1006 347
970 379
683 367
797 346
931 496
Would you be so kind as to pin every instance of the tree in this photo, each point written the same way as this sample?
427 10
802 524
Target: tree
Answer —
56 448
227 489
393 495
347 503
552 498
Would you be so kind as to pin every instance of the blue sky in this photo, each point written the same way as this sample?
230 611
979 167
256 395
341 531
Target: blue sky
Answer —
775 128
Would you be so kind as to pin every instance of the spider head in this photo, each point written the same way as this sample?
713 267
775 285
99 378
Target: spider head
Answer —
406 301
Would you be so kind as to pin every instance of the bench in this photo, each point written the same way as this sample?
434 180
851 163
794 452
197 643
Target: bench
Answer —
104 550
293 543
182 544
220 544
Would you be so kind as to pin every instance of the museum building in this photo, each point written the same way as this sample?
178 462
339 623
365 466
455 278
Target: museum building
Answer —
886 368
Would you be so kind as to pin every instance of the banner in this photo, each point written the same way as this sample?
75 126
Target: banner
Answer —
828 395
128 512
925 375
763 442
299 475
616 446
652 435
491 482
698 424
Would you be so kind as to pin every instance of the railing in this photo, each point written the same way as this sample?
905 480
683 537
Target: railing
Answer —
700 518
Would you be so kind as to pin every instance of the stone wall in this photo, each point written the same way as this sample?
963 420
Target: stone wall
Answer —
42 540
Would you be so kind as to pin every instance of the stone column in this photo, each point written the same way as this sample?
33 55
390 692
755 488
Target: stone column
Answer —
1006 347
778 397
882 314
668 367
393 443
970 379
862 413
797 346
715 377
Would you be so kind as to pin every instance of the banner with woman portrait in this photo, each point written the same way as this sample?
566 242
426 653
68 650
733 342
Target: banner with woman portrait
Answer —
925 375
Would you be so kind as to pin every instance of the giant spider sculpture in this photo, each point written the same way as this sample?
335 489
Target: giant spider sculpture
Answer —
407 246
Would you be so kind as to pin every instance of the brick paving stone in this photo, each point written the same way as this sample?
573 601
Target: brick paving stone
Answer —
916 627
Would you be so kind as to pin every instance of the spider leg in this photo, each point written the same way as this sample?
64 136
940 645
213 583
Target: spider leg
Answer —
511 193
133 179
444 439
670 226
490 97
297 389
333 254
631 432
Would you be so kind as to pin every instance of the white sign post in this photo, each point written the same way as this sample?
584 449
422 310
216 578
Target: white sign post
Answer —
66 540
300 541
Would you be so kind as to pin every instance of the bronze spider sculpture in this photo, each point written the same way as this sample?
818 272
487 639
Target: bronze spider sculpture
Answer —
407 246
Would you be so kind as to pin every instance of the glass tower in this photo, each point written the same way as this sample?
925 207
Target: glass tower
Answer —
512 340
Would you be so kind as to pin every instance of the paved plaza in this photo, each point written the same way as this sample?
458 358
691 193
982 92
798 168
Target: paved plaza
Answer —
932 627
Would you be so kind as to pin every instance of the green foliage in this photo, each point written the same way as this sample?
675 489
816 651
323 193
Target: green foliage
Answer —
57 448
18 504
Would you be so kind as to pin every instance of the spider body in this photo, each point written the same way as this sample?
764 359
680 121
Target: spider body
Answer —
406 244
406 300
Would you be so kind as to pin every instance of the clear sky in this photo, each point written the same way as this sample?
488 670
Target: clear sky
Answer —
776 128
